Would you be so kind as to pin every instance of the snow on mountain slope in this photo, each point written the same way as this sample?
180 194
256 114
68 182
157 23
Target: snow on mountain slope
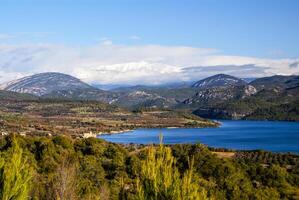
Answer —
44 83
219 80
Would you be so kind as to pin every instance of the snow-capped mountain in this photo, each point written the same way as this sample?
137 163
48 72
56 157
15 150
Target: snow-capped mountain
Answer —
44 83
219 80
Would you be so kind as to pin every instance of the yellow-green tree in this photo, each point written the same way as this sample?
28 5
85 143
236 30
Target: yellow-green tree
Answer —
15 175
160 179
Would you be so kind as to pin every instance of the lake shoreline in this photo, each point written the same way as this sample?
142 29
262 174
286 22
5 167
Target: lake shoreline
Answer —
237 135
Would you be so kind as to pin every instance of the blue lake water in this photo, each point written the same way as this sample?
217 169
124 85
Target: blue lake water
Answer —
242 135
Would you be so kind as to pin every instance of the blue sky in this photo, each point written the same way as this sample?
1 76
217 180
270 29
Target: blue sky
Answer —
259 29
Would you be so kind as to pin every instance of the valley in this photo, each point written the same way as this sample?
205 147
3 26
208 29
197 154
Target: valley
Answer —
27 115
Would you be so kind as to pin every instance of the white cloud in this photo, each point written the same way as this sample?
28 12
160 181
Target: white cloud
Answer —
273 66
131 73
134 37
8 76
107 62
105 41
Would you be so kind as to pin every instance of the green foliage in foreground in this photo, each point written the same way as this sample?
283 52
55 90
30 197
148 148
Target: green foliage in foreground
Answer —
63 168
15 174
160 178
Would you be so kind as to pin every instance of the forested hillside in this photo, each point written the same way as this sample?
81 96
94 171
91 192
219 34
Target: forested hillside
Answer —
63 168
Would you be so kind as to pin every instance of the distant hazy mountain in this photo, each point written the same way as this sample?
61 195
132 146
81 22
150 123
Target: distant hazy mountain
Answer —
152 96
219 80
141 98
248 80
110 86
168 86
45 83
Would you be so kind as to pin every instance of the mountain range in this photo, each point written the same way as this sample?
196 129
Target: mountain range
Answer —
218 96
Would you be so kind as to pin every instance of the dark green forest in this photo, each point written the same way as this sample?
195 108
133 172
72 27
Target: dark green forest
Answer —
63 168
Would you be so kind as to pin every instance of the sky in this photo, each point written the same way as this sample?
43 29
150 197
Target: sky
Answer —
148 41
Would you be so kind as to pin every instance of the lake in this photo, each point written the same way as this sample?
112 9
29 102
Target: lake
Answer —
241 135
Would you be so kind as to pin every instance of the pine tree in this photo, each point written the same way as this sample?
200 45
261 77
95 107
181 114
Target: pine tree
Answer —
160 178
15 175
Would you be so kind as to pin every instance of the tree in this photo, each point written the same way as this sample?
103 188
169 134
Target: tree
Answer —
65 185
15 174
160 178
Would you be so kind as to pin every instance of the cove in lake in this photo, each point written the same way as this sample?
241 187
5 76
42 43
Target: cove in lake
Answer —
240 135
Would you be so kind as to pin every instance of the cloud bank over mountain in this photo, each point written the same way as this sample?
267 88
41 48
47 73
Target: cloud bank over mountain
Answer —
109 63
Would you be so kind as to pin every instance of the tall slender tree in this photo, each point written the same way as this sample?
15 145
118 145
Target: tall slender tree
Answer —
160 178
15 174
